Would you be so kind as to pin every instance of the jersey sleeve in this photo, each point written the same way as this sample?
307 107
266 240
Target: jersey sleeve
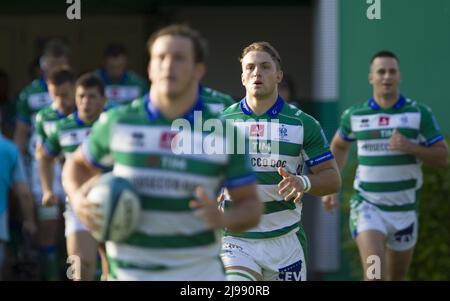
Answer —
316 149
41 136
23 109
345 127
429 128
51 144
96 148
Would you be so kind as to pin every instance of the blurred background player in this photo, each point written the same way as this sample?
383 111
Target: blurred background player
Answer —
12 177
276 248
395 135
121 84
173 241
60 82
65 137
34 97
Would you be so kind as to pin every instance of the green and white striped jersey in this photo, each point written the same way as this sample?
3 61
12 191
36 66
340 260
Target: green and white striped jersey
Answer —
282 137
142 147
46 120
67 134
130 87
387 178
32 98
215 100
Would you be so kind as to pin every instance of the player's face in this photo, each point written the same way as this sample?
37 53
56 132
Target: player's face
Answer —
384 76
260 75
63 96
172 68
90 103
116 66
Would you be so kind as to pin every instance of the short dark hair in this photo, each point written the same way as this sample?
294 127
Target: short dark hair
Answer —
89 80
262 46
384 53
56 48
198 42
61 75
114 50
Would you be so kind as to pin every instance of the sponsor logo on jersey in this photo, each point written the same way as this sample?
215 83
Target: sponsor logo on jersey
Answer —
405 235
375 147
137 139
283 132
292 272
267 162
166 138
257 130
364 123
383 121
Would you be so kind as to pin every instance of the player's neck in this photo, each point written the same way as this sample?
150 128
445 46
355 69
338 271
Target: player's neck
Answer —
260 105
386 101
66 111
173 107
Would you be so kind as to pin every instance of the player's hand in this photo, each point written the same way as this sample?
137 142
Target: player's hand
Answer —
329 202
49 199
88 213
207 210
291 187
399 142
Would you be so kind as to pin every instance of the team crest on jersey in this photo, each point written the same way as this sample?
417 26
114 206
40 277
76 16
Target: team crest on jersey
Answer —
257 130
404 119
166 138
383 121
365 123
283 132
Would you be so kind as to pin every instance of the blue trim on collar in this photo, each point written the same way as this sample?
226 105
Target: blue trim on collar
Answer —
107 80
43 83
153 113
400 103
272 112
78 120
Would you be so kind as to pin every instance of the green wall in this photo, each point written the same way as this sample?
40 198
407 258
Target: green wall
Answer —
417 31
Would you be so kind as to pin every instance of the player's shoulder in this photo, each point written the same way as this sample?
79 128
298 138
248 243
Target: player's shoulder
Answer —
234 109
294 115
358 108
45 113
135 78
419 106
212 95
30 88
133 110
65 123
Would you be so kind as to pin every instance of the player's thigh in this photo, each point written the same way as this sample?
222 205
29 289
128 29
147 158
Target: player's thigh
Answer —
397 264
238 258
82 244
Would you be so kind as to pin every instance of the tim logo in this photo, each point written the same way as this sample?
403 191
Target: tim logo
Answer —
257 130
165 140
405 235
383 121
292 272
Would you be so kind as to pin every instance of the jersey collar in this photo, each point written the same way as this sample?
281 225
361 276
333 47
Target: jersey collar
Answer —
81 122
107 80
153 113
398 105
43 84
272 112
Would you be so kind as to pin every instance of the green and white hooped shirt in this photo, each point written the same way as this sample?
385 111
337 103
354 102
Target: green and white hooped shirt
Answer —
386 178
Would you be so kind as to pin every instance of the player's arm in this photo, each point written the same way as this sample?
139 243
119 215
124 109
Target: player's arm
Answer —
21 134
243 215
435 155
78 176
340 149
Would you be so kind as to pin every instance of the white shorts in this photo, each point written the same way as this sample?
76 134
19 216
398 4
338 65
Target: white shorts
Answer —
276 259
72 223
210 270
400 227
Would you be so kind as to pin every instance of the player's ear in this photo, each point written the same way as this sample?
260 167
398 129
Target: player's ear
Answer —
243 79
200 70
370 78
279 76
